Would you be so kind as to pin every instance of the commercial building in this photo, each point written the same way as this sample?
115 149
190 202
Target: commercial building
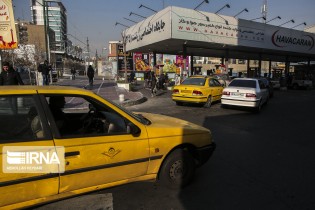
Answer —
187 32
55 18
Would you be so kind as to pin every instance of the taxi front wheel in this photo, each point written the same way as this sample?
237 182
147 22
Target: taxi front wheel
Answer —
177 170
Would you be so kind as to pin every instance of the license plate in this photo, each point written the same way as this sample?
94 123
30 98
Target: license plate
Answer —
185 91
237 94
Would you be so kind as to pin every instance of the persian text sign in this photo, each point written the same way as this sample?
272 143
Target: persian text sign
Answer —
8 39
33 159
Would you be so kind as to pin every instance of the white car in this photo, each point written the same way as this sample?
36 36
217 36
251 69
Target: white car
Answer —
247 92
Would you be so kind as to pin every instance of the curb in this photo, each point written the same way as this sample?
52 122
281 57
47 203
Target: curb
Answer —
127 103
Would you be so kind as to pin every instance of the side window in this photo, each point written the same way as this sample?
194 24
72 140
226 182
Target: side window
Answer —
211 83
216 82
20 120
76 116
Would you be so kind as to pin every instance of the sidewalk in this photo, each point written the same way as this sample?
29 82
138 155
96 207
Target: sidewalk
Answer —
107 89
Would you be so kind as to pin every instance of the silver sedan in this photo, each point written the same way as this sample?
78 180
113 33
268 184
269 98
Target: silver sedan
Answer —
247 92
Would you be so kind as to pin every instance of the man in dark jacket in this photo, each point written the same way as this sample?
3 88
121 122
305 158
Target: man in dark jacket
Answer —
45 69
9 76
90 74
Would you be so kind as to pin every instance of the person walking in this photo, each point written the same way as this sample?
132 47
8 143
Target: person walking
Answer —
10 77
45 69
90 74
73 73
153 84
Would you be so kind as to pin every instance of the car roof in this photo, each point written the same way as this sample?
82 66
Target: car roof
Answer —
245 78
200 76
51 89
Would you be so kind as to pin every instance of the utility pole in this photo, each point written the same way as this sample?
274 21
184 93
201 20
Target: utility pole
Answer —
88 57
264 11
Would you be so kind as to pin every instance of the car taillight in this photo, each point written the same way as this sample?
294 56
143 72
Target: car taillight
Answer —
226 93
197 93
250 95
176 91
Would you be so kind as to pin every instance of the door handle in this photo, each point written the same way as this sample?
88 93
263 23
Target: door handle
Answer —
69 154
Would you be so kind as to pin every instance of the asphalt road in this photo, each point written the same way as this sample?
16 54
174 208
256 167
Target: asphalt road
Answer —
262 161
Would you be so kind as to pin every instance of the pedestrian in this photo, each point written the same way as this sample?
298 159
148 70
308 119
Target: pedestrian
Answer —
153 84
90 74
45 69
132 77
10 77
73 73
162 81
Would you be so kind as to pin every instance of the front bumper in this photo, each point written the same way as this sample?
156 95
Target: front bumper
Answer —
204 153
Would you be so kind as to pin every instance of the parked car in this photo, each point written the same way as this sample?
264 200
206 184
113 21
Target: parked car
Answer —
198 89
92 143
299 83
275 83
247 92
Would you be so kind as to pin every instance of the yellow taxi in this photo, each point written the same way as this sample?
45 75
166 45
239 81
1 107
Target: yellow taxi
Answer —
198 89
58 142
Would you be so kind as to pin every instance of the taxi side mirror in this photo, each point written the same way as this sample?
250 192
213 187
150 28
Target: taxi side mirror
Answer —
133 129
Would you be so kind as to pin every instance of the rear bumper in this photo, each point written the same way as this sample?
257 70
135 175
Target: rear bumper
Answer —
237 102
195 99
204 153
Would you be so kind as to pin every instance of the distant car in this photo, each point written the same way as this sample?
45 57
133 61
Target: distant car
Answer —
100 145
224 79
246 92
275 83
198 89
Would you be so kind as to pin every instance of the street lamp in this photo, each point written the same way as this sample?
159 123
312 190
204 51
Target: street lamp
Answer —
227 5
132 13
244 10
299 25
278 17
288 22
141 5
130 20
117 23
201 3
259 18
201 12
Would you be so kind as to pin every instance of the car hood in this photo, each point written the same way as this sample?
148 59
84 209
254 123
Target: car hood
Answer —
162 125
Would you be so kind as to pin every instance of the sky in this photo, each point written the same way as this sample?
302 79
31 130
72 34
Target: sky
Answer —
95 19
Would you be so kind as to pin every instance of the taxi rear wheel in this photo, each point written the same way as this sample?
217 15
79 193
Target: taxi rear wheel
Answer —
208 103
178 169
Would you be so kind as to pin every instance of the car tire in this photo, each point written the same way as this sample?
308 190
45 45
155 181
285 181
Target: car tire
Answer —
179 103
258 108
177 170
208 103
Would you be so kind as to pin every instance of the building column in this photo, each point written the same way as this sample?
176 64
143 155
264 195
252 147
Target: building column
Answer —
269 70
184 60
248 67
154 58
191 64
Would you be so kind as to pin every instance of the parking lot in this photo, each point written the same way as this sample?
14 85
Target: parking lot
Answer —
262 161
